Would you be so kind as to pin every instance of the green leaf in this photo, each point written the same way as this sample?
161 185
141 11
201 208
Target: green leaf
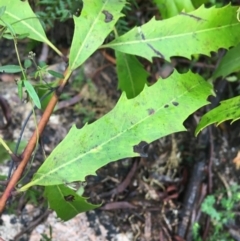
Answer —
56 74
208 208
230 63
22 19
227 110
232 78
11 69
42 65
8 36
125 130
201 31
42 90
22 36
27 63
92 27
65 202
131 75
172 8
32 93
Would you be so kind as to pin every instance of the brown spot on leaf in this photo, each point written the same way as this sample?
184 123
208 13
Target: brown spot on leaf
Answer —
108 16
151 111
69 198
175 103
157 52
191 16
141 148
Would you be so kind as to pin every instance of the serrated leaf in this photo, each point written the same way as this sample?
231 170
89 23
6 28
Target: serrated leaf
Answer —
11 69
227 110
32 93
125 130
131 74
65 202
230 63
96 21
23 20
201 31
198 3
172 8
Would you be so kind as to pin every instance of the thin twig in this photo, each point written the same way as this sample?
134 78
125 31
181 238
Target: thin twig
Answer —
221 177
123 185
33 224
21 134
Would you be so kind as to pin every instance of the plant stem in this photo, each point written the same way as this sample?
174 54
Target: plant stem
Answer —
32 143
6 146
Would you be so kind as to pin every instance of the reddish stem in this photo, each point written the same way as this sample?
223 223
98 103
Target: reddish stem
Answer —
30 147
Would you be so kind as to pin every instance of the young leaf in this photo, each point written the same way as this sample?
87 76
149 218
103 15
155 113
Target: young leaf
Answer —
201 31
22 36
96 21
131 75
227 110
125 130
172 8
27 63
42 64
66 202
22 19
229 63
42 90
8 36
56 74
11 69
208 207
32 93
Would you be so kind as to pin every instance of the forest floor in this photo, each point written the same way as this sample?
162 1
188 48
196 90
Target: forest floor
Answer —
157 197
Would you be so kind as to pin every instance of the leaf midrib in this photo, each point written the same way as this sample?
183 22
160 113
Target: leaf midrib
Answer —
164 37
21 21
69 203
87 36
